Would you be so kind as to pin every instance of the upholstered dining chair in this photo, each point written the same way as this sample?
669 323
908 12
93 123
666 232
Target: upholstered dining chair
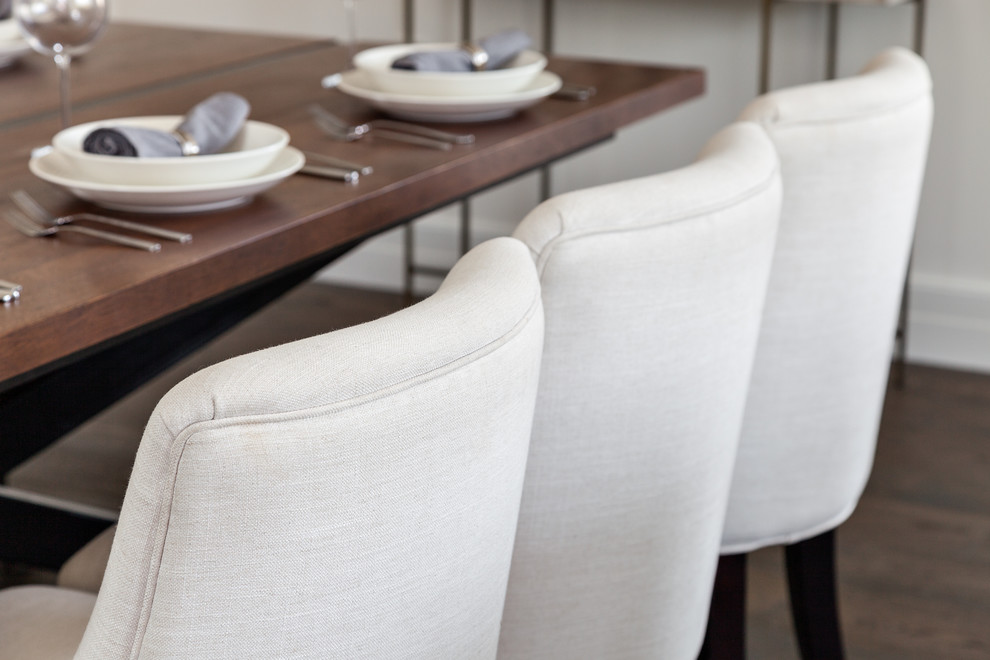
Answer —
351 495
652 290
852 156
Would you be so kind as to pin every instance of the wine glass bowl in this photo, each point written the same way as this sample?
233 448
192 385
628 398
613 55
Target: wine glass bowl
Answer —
61 29
61 26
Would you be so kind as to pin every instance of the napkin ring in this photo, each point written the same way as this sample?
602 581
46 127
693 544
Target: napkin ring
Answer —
188 143
477 55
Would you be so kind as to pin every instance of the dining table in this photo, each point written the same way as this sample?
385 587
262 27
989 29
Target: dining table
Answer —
94 321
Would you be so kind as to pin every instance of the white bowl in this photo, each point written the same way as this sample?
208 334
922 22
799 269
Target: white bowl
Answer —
377 63
254 149
9 30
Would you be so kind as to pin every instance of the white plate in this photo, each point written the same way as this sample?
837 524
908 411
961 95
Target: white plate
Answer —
12 44
55 168
451 108
377 64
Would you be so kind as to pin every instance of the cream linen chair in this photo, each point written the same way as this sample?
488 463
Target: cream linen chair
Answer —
653 290
352 495
852 156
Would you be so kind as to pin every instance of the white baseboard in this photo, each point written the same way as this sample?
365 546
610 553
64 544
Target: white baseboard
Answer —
949 322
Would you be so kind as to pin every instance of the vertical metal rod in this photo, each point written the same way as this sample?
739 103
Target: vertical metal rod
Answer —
408 21
901 338
408 265
901 335
467 35
467 21
409 239
548 25
920 9
766 35
465 241
832 41
546 185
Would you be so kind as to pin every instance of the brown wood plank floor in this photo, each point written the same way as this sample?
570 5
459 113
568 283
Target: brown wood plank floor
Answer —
914 559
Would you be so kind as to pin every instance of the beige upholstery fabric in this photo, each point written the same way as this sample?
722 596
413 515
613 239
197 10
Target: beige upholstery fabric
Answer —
653 290
351 495
42 623
84 570
852 157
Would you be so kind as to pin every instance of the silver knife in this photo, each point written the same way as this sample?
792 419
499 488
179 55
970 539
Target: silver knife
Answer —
328 172
178 236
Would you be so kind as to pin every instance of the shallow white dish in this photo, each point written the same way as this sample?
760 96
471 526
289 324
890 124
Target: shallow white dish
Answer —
251 152
453 108
377 64
9 30
55 168
12 44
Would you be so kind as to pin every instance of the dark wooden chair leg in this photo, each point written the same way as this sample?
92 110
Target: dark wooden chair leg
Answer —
814 606
725 637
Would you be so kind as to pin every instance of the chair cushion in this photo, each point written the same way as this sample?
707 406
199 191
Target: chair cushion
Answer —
84 569
353 494
653 289
42 622
852 157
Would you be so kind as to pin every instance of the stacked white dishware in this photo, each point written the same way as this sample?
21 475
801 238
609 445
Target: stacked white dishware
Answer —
258 158
447 96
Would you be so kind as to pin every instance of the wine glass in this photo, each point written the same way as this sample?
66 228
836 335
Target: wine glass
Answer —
61 28
351 18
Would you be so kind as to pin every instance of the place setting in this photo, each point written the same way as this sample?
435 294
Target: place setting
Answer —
450 82
212 158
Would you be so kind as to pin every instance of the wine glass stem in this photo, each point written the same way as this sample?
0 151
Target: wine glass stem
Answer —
63 60
351 27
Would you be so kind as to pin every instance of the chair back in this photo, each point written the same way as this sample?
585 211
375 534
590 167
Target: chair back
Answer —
652 290
350 495
852 155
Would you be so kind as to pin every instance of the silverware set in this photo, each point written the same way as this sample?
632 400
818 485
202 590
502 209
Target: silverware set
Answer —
29 227
339 129
37 212
334 168
9 291
574 92
32 219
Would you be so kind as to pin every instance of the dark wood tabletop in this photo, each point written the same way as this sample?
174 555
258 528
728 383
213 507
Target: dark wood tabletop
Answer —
78 294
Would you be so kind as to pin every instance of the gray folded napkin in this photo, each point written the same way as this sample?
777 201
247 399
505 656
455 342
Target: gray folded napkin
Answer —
501 47
211 125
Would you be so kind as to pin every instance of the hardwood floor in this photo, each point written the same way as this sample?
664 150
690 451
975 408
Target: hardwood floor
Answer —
914 559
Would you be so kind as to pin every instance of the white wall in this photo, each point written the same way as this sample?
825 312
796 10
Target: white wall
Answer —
950 301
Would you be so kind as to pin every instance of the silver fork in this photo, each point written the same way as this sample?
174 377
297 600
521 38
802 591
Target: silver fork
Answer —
387 128
343 133
43 216
28 227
